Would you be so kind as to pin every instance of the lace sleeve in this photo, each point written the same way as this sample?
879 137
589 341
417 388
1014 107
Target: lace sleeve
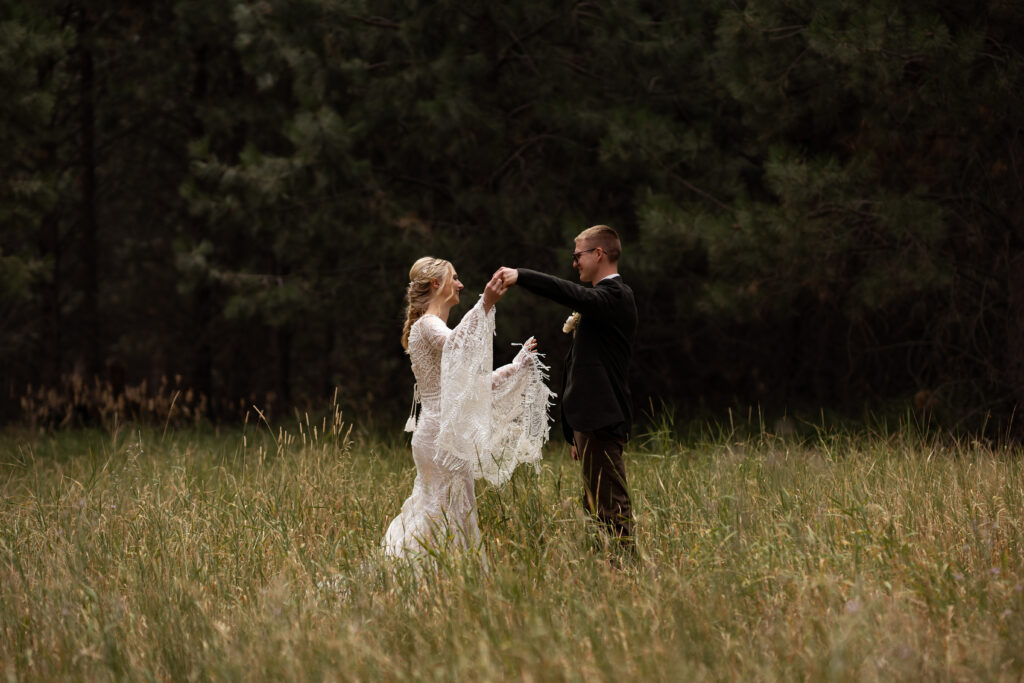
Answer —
506 372
490 422
520 399
466 361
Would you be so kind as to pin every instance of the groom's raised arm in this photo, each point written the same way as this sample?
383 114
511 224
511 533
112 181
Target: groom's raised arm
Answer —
583 299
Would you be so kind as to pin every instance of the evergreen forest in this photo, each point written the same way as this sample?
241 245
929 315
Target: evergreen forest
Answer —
212 204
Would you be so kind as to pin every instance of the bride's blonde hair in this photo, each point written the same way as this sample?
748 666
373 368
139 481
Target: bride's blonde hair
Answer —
417 296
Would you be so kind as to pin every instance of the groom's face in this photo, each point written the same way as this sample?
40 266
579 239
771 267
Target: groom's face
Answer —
585 260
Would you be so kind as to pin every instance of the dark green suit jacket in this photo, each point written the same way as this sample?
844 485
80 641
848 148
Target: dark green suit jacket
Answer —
595 383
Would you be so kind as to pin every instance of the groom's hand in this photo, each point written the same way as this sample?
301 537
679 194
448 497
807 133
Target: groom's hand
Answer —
508 275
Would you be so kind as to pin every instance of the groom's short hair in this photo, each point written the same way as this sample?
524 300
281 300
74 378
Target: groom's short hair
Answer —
604 237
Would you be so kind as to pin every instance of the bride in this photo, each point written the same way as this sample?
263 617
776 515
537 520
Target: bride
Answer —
474 423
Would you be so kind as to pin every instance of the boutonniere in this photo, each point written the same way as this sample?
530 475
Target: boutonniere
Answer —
571 322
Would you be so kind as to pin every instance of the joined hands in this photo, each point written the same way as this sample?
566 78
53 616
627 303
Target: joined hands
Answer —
508 276
499 283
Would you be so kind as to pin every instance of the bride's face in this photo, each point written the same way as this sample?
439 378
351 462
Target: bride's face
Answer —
448 293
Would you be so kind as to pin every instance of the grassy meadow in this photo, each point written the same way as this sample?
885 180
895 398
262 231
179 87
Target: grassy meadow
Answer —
252 554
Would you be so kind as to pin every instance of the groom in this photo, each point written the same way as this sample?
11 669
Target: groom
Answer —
596 410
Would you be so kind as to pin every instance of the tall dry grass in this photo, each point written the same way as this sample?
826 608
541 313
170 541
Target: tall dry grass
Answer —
193 555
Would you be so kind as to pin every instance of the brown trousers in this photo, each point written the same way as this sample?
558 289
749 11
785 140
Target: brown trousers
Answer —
604 482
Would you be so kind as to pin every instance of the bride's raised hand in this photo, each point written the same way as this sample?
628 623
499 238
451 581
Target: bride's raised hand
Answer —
494 290
527 354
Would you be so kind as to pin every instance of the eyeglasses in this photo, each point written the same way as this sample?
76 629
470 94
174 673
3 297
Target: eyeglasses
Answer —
576 255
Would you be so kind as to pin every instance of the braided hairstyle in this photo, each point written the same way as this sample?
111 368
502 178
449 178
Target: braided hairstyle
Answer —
419 293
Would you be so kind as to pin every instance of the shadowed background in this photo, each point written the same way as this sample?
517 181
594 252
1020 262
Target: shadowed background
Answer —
216 203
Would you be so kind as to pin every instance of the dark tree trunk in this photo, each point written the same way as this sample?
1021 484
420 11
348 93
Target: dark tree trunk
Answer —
52 365
202 366
1015 339
88 224
53 344
284 365
328 370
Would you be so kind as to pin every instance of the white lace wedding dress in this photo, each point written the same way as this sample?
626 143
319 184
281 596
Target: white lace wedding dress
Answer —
473 423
